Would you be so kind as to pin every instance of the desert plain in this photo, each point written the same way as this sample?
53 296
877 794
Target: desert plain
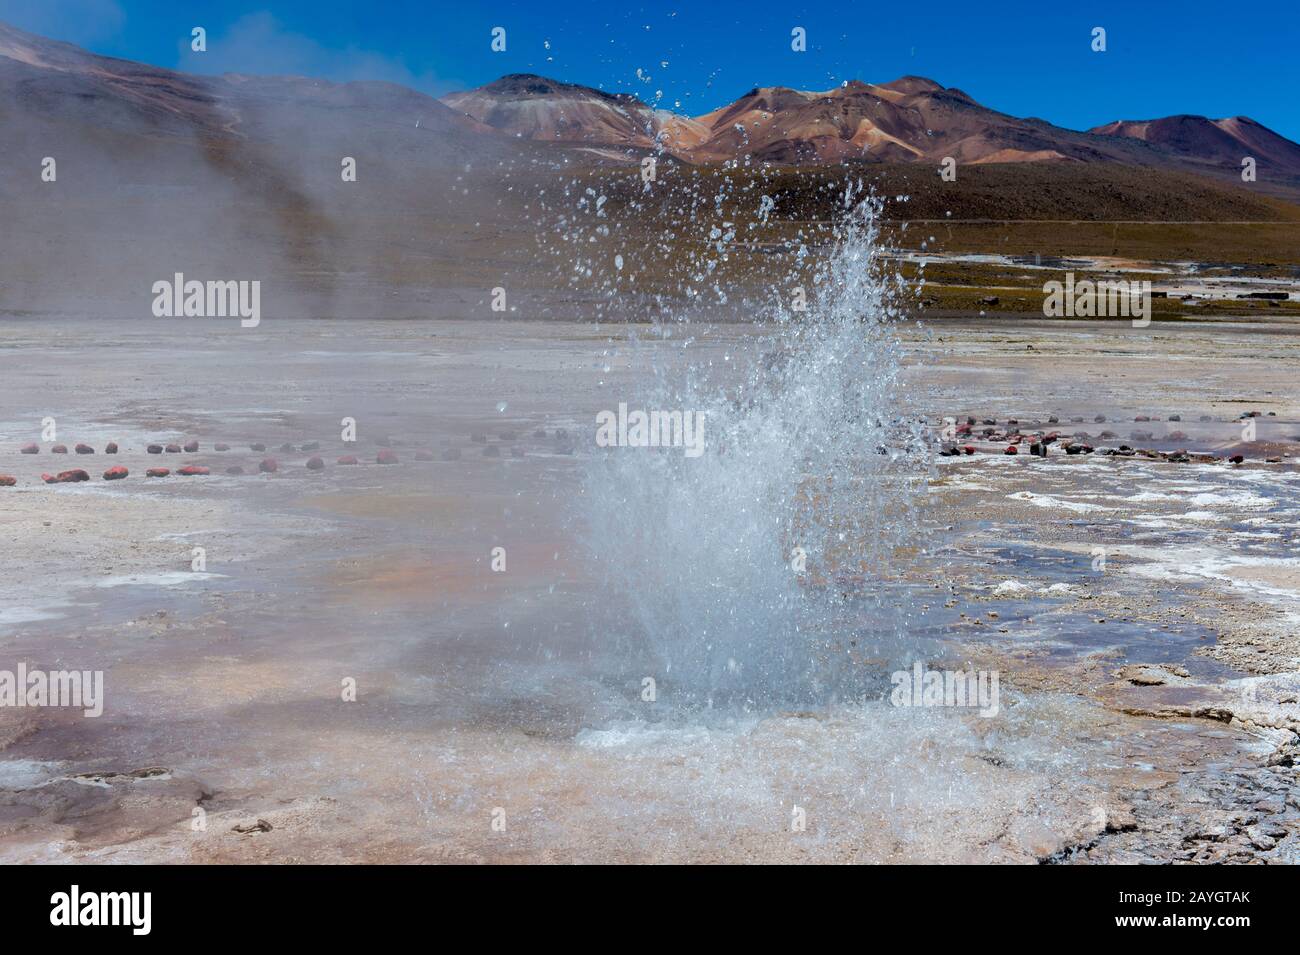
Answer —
1148 709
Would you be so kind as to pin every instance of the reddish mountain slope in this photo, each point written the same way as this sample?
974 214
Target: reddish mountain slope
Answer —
912 119
1215 142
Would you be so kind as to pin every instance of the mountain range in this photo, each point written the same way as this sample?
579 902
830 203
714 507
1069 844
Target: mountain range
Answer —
160 171
911 119
908 120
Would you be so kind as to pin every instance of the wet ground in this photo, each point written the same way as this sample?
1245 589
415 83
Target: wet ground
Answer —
1141 614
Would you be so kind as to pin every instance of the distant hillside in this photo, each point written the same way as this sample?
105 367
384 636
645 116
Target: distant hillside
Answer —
912 119
240 176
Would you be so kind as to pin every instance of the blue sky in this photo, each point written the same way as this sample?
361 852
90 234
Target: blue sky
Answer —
1028 59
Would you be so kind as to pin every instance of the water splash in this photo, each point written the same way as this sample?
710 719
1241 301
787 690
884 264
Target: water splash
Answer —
765 570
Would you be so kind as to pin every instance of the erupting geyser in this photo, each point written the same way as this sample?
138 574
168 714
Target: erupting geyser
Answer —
764 570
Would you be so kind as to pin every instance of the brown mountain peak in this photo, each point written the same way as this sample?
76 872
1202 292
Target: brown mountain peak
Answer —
913 85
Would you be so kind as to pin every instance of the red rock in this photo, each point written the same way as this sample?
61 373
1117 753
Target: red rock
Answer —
59 449
268 466
191 446
968 449
48 478
190 470
315 464
30 449
157 472
386 457
70 477
116 473
347 459
1011 449
111 448
7 480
